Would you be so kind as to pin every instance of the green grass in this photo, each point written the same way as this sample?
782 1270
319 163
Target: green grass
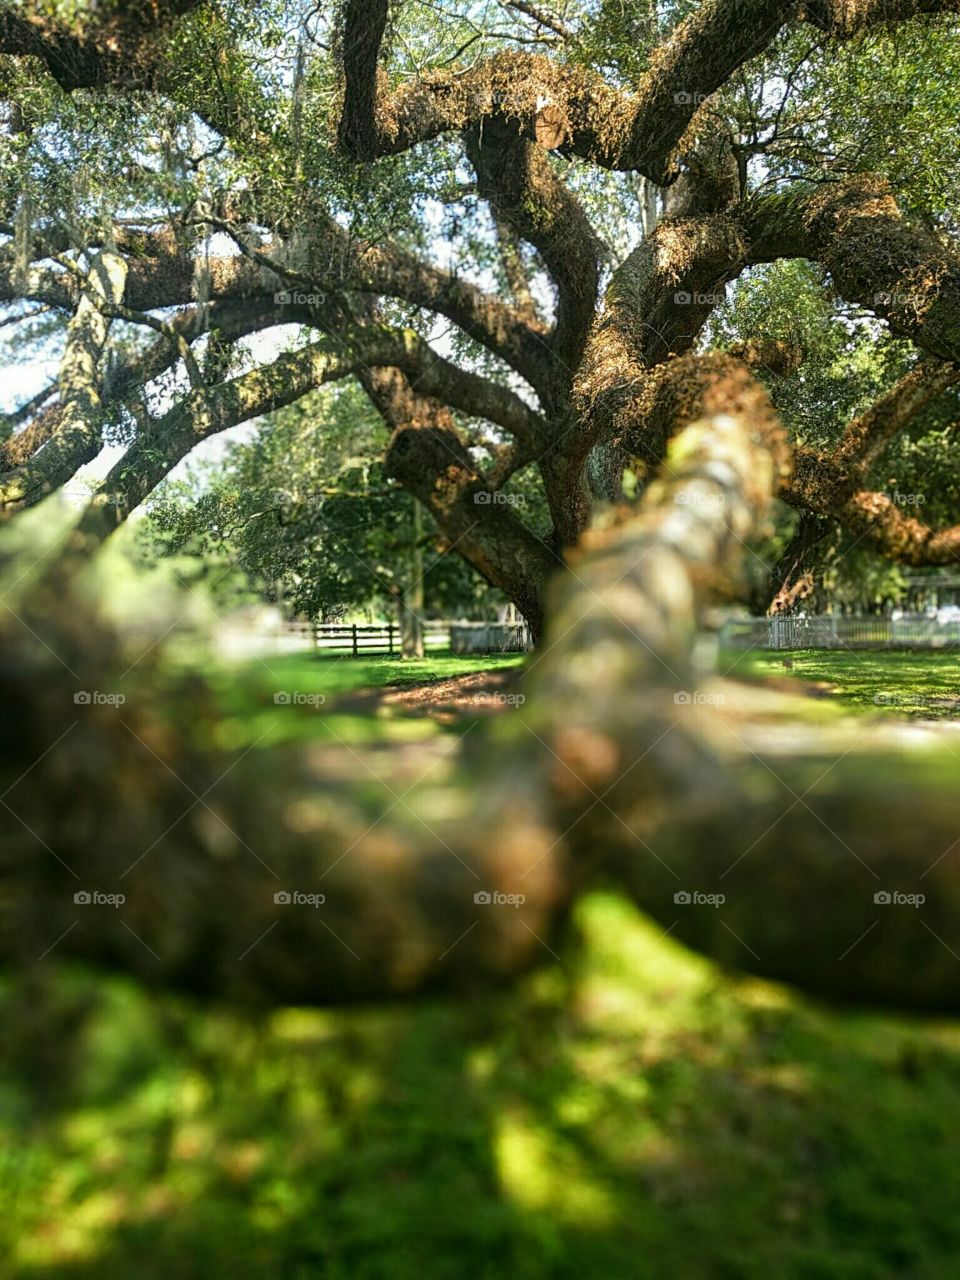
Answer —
629 1112
246 693
925 685
633 1113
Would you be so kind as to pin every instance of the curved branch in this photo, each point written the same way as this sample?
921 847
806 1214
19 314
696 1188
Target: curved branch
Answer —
428 457
866 437
101 48
895 268
582 113
75 434
524 192
211 410
873 518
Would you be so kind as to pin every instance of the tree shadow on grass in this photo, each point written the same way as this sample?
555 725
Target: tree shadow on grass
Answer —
636 1115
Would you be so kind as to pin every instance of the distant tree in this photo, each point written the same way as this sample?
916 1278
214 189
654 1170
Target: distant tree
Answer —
305 510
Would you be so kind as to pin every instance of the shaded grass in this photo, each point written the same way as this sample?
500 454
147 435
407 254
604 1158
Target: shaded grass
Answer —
631 1113
628 1112
904 683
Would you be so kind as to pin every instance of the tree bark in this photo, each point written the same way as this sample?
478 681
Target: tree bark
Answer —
411 596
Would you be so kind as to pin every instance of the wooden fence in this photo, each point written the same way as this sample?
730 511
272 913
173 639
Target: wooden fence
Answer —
356 640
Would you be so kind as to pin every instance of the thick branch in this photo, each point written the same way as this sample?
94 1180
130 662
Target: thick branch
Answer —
901 271
524 192
428 457
874 519
95 49
570 105
75 438
866 437
642 789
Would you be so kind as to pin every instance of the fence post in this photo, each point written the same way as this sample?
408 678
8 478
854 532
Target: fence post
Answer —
316 634
390 637
355 640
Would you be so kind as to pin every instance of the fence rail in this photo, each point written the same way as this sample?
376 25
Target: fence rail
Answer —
838 632
375 639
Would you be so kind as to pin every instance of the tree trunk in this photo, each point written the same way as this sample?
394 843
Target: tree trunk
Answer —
411 597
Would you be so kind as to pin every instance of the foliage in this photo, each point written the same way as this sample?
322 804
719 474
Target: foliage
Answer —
304 512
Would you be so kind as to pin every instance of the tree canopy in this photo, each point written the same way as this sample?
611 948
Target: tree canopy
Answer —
517 229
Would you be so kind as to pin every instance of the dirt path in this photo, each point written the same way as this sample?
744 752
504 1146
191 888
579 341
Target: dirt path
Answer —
480 694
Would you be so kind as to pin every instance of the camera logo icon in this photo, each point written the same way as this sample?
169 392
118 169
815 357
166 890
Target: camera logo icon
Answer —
281 698
482 497
682 298
482 898
282 897
682 898
82 898
282 298
82 698
682 697
882 897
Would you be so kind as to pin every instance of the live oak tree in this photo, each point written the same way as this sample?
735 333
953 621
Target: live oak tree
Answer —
514 236
179 179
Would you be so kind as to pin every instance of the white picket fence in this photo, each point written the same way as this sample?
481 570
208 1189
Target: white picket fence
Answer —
490 637
830 631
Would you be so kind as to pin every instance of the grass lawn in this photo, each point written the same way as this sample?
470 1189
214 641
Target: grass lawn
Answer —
247 693
906 683
629 1112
